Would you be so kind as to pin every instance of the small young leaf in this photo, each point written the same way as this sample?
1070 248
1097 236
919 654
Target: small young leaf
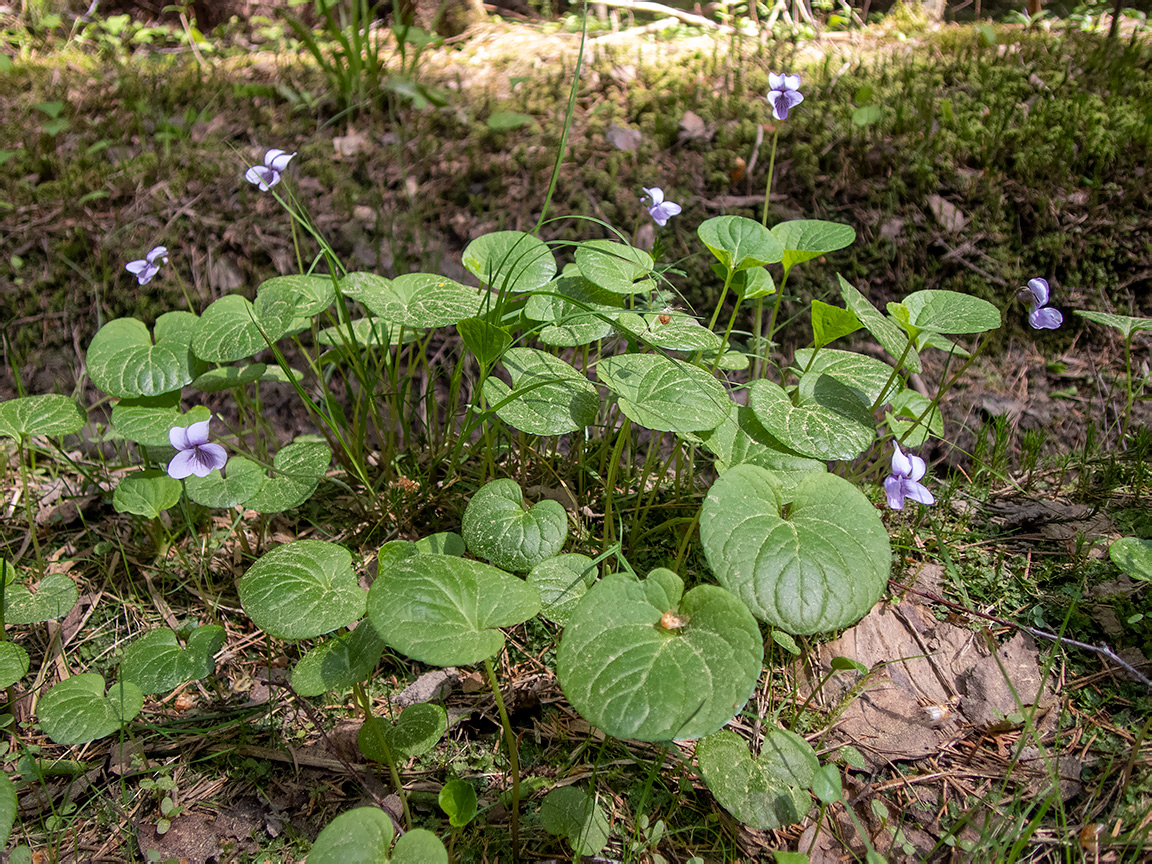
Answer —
1133 556
157 664
458 799
886 332
338 663
360 836
77 711
51 414
740 243
826 784
146 493
486 341
829 323
562 581
497 526
510 261
8 804
13 666
573 813
297 470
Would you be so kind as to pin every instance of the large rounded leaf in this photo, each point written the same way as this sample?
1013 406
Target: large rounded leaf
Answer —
947 312
240 480
418 300
766 792
510 261
308 295
122 361
739 242
360 836
832 423
805 239
867 376
498 526
50 414
554 398
339 662
807 560
302 590
77 711
667 395
672 331
446 611
575 311
232 328
157 664
639 660
615 267
297 470
54 598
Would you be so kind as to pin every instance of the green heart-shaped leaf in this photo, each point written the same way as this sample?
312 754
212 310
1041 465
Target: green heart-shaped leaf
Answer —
753 283
1126 324
146 420
122 361
339 662
50 414
302 590
740 243
742 439
573 813
146 493
510 261
894 340
498 527
297 471
615 267
157 664
232 328
360 836
554 398
308 295
640 661
805 239
446 611
576 311
672 331
77 711
13 666
562 581
54 598
829 323
667 395
832 424
417 730
806 560
1133 556
950 312
419 300
766 792
867 376
238 483
486 341
458 801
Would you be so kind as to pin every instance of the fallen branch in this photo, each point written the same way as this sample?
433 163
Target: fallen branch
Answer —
667 12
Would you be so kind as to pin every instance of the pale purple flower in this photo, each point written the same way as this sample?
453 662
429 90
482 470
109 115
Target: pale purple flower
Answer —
784 95
1035 297
145 269
903 481
196 455
660 210
268 175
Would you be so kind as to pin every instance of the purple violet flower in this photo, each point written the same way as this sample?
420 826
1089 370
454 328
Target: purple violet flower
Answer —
784 95
903 481
145 269
268 175
660 210
196 455
1035 297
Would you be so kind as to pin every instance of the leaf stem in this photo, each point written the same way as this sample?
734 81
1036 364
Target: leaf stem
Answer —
513 757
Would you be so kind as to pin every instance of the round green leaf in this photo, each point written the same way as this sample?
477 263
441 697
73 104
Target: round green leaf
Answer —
122 361
417 730
767 792
13 666
667 395
297 470
510 261
302 590
640 661
360 836
554 398
446 611
884 329
571 812
240 481
741 439
146 493
157 664
419 846
419 300
458 800
1126 324
950 312
77 711
576 311
672 331
339 662
54 598
739 242
615 267
497 526
1133 556
806 560
232 328
562 581
832 424
866 376
147 419
308 295
805 239
50 414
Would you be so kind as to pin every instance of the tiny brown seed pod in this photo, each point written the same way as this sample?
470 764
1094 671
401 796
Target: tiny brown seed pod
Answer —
671 620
